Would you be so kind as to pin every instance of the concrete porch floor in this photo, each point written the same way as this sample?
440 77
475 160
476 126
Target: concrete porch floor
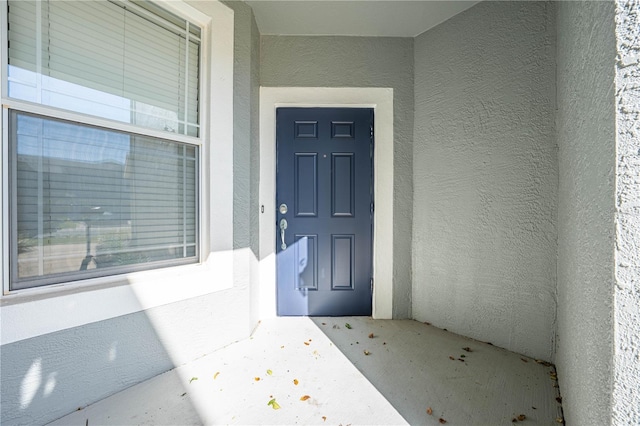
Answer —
320 371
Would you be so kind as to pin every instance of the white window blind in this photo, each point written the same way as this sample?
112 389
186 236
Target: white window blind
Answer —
127 61
91 202
88 201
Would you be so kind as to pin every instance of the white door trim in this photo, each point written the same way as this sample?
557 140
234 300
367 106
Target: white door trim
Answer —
381 100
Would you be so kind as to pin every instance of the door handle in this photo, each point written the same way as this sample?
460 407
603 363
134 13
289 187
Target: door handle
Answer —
283 226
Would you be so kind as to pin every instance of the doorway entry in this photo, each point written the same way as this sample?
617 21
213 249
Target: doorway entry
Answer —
324 217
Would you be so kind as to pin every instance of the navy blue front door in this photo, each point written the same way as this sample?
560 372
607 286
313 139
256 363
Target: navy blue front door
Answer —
324 217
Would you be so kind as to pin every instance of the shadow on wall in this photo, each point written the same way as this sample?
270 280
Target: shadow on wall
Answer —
41 377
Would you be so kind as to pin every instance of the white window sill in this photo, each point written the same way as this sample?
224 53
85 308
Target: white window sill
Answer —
34 312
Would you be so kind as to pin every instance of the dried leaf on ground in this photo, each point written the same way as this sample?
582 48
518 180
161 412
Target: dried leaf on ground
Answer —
183 394
442 421
523 360
282 347
295 382
559 399
451 358
215 376
324 418
269 372
460 359
274 404
366 352
428 323
429 411
304 397
306 343
545 363
463 356
257 379
324 323
467 349
192 379
348 326
521 417
559 420
371 336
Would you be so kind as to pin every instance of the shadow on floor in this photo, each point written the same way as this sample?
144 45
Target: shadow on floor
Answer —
429 374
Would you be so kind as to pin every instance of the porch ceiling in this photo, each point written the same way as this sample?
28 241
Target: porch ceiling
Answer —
381 18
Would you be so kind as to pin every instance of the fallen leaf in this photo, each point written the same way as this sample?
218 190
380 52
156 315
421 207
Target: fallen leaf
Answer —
282 347
310 340
534 407
429 411
451 358
324 323
559 399
215 376
366 352
295 382
192 379
371 336
257 379
514 420
384 343
560 420
269 372
460 359
183 394
324 418
545 363
521 417
467 349
428 323
442 421
463 356
304 397
274 404
306 343
348 326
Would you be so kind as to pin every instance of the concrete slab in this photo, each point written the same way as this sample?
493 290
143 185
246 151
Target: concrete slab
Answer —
411 364
407 370
234 386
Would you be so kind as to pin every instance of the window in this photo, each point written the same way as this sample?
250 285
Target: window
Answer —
103 139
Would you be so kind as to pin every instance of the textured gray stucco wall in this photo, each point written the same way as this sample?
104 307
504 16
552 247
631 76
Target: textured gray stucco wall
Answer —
360 62
46 377
485 176
586 201
626 377
246 151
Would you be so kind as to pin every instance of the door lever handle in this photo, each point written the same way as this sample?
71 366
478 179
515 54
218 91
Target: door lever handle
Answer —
283 226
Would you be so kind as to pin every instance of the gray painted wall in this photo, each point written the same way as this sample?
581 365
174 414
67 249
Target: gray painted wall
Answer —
586 202
485 176
246 152
360 62
46 377
626 375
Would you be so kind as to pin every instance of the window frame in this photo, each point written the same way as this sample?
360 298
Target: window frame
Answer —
181 9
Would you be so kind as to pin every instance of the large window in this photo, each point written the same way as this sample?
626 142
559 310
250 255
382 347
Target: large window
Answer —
103 139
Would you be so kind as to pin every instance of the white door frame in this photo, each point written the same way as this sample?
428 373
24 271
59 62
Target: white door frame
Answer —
381 100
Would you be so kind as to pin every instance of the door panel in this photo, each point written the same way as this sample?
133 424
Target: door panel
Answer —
324 176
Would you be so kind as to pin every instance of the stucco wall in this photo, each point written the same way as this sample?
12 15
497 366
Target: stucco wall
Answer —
44 377
360 62
586 201
626 377
485 176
